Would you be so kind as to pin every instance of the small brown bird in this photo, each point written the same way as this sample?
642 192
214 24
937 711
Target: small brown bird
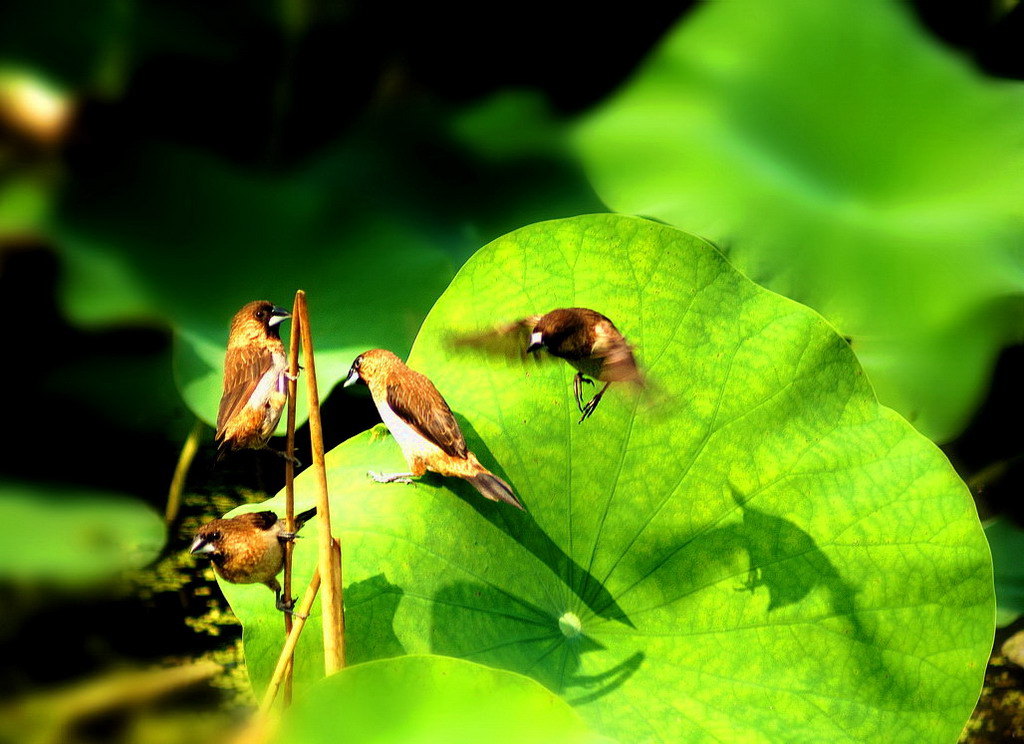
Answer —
249 548
585 338
255 379
423 425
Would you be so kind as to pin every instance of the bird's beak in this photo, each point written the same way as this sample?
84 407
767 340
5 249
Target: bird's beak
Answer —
536 342
353 377
199 545
277 314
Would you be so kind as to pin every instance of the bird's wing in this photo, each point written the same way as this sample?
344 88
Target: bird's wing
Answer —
617 360
415 400
244 367
508 339
261 520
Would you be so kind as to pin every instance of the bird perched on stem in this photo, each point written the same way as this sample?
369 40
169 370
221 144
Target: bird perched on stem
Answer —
255 379
249 549
585 338
423 425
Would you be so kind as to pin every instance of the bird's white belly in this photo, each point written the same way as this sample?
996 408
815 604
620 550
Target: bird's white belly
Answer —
273 381
414 445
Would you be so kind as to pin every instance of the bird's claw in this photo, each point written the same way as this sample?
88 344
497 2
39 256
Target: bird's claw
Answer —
587 410
293 613
577 389
288 606
389 477
591 405
285 456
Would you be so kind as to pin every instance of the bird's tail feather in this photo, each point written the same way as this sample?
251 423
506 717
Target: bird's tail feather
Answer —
302 517
494 488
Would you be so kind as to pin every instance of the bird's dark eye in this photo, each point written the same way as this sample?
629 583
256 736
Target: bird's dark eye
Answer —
214 537
261 314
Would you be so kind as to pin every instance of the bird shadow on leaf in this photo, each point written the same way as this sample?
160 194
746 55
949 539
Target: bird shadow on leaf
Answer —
787 561
370 607
521 527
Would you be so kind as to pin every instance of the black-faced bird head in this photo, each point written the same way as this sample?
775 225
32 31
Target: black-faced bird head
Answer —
206 542
256 320
554 329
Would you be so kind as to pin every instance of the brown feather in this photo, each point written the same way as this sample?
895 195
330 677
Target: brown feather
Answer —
579 335
617 361
247 549
244 367
254 392
422 423
416 401
508 339
590 342
261 520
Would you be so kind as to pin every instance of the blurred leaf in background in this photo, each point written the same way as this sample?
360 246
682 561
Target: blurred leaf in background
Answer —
369 232
843 158
60 536
277 149
181 237
81 47
1007 543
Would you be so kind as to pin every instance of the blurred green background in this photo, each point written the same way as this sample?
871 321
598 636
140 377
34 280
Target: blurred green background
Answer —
163 163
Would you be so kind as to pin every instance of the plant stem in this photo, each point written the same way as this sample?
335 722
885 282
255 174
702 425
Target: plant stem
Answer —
289 484
284 661
332 602
188 454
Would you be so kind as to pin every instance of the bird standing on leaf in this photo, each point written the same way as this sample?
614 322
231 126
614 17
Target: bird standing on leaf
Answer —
423 425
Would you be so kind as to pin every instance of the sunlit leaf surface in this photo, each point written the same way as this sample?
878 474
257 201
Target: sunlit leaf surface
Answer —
749 548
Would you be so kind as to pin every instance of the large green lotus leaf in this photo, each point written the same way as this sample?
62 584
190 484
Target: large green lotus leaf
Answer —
62 536
751 548
841 157
427 699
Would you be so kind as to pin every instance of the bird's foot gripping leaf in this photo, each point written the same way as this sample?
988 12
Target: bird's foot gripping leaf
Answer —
390 477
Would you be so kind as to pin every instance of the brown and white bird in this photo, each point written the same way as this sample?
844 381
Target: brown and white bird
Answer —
423 425
255 379
249 548
585 338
